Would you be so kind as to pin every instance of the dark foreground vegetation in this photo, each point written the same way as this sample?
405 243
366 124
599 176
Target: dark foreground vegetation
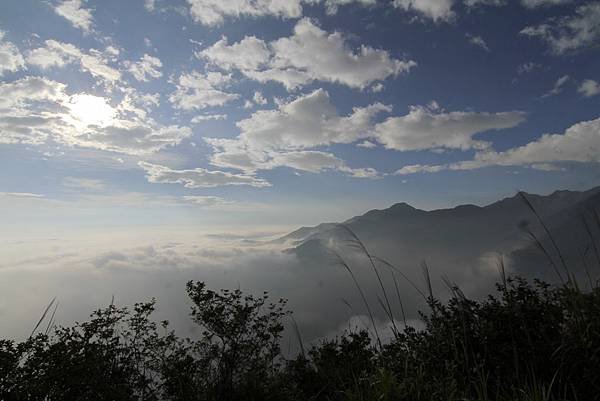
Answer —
530 341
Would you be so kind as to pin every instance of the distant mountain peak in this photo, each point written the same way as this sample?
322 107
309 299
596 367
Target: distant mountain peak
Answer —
458 232
402 206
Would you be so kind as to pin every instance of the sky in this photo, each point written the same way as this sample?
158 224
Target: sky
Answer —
122 121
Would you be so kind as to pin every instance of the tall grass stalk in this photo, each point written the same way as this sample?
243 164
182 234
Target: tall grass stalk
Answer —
341 261
43 317
547 230
364 249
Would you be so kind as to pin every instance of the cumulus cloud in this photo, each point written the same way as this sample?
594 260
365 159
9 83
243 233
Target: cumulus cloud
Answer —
38 110
11 59
309 54
580 143
250 53
198 178
259 98
76 14
214 12
287 135
148 67
198 91
290 135
589 88
137 104
427 128
58 54
437 10
570 33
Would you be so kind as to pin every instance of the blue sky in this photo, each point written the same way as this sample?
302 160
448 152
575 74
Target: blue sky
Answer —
280 113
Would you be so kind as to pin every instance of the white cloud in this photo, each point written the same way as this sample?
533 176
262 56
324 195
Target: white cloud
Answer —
477 41
259 99
38 110
150 5
437 10
579 143
570 33
543 3
199 177
419 168
76 14
427 128
83 184
54 54
132 137
11 59
26 195
214 12
378 87
305 160
525 3
207 117
96 64
558 86
589 88
249 54
207 201
308 121
198 91
288 135
527 67
309 54
58 54
148 67
137 104
475 3
332 6
367 145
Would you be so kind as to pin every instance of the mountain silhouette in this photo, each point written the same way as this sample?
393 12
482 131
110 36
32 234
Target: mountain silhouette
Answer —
467 238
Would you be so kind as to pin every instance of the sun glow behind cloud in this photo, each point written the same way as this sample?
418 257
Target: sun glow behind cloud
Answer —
91 110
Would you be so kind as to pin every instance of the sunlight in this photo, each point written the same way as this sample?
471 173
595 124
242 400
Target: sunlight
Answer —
91 110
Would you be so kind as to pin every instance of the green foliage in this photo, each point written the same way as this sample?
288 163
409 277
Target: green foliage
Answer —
529 341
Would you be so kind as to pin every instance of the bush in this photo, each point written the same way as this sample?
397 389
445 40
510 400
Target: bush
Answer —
530 341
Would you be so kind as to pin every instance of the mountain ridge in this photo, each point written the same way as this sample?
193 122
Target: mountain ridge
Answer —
514 201
464 238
